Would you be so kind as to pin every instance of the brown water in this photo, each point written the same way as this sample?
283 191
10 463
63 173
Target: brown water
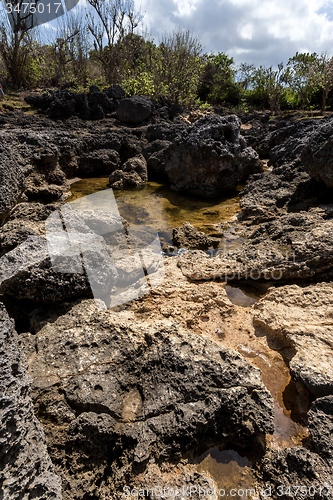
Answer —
157 206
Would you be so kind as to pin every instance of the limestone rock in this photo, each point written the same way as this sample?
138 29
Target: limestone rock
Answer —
302 318
188 236
209 157
26 470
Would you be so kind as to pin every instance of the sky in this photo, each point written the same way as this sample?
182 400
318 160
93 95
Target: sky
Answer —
259 32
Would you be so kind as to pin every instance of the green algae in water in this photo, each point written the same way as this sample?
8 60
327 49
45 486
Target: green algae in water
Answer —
157 206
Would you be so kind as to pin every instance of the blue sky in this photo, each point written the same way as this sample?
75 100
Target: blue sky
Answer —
263 32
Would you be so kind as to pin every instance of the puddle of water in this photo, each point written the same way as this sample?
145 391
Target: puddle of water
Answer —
239 297
276 377
157 206
229 470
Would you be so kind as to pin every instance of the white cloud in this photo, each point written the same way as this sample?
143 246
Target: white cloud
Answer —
256 31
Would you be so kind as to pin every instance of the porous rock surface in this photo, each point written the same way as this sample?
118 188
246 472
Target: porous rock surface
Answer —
133 174
294 246
300 154
302 318
11 182
188 236
114 392
26 470
209 157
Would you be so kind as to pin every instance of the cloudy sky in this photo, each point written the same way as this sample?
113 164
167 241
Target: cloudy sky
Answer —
263 32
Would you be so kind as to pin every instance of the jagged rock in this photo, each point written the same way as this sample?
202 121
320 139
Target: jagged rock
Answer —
134 110
164 131
321 427
293 467
153 391
125 180
188 236
210 157
294 246
169 480
26 470
11 183
155 155
317 154
98 162
301 318
296 150
285 189
115 92
133 174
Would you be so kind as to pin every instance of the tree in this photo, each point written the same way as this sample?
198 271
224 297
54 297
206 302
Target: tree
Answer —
321 75
69 46
298 76
178 66
268 86
17 42
217 82
115 20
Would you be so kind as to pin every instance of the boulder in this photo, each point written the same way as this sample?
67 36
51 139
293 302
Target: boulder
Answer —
134 110
188 236
210 157
317 155
133 174
300 316
26 470
153 391
115 92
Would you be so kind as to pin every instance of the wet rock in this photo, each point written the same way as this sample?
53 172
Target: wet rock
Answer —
188 236
292 467
26 470
294 246
209 157
134 110
153 391
300 316
317 154
11 183
321 427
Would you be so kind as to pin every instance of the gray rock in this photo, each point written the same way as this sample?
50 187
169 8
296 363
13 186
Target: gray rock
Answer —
11 183
134 110
188 236
321 427
294 246
133 174
210 157
98 162
317 154
292 467
26 470
132 391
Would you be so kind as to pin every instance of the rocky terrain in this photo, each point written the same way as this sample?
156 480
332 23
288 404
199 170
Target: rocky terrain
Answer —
95 398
